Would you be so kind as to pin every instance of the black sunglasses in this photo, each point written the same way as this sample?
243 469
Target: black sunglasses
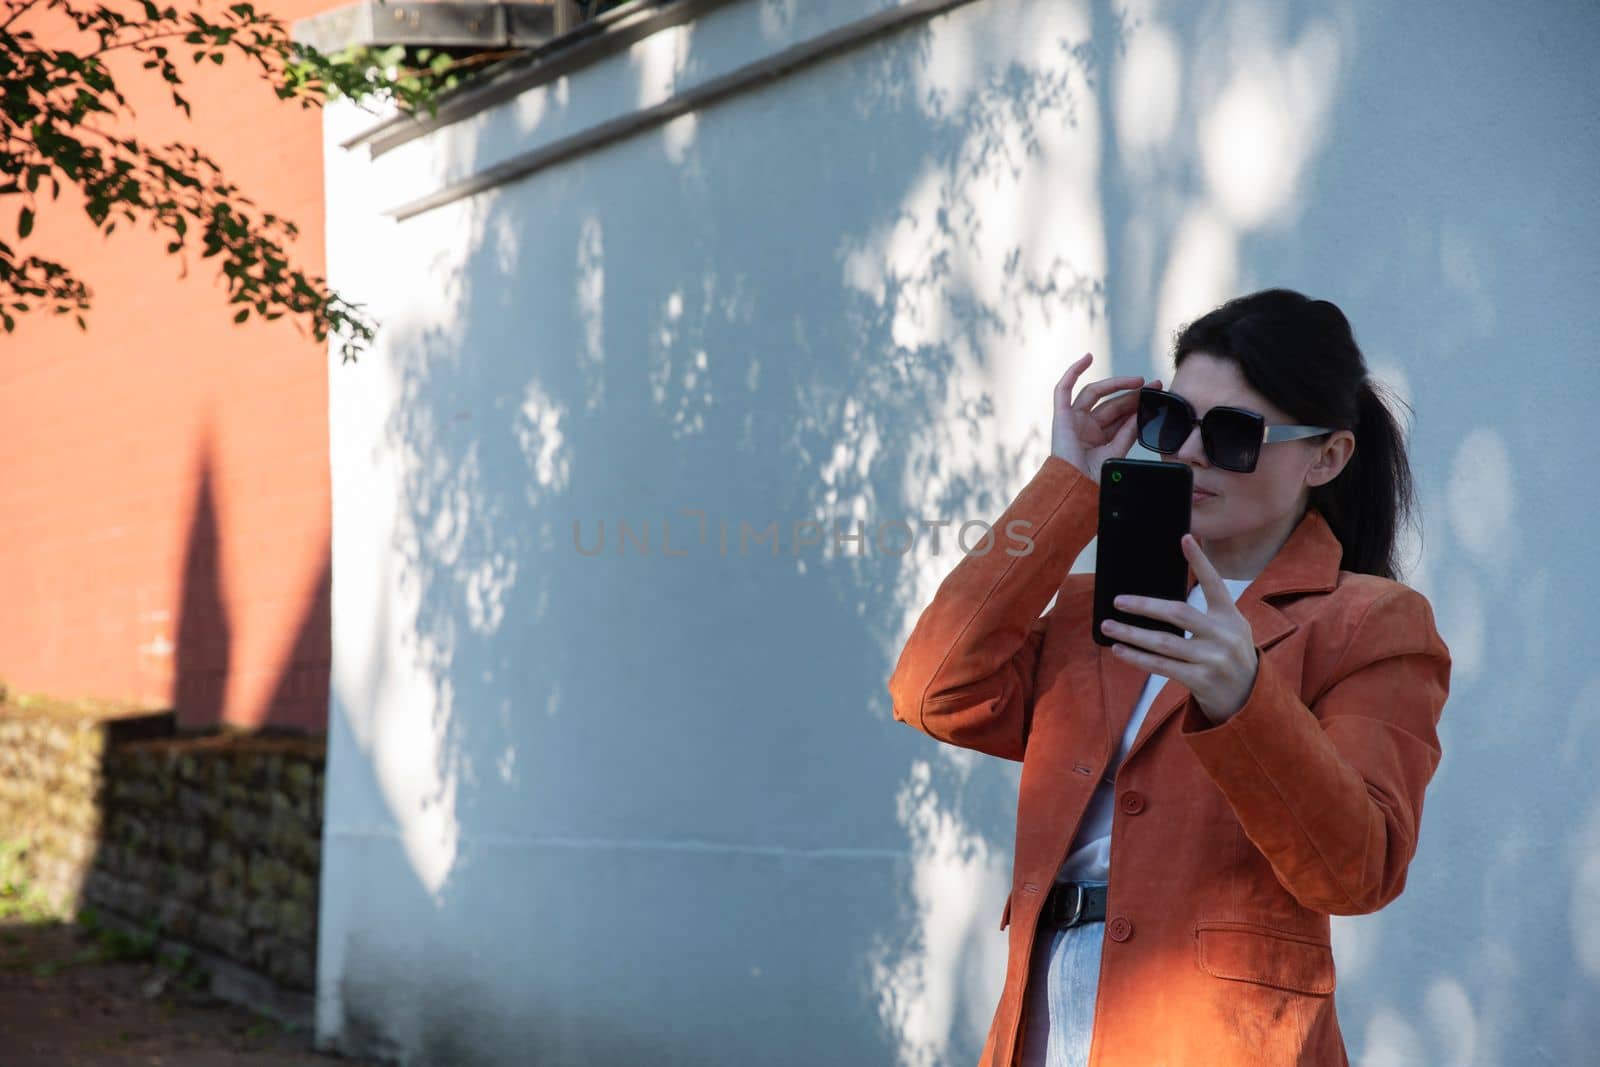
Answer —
1232 437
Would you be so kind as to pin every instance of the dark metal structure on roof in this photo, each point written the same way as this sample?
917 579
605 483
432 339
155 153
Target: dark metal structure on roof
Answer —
446 24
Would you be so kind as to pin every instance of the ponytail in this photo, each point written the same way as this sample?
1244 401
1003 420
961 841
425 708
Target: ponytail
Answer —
1378 472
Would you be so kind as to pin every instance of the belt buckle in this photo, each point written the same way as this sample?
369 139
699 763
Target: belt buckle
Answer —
1077 906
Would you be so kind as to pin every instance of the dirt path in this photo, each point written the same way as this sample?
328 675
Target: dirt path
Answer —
69 998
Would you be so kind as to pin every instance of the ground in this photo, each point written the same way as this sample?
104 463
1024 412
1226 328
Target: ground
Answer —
75 994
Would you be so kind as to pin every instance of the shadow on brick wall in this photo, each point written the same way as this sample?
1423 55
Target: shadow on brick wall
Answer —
205 636
206 836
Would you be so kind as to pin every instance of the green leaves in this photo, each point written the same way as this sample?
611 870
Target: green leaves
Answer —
413 79
53 107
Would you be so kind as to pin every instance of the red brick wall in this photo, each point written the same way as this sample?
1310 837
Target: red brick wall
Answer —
164 476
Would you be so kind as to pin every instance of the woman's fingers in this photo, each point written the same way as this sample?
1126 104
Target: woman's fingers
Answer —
1069 377
1157 641
1065 383
1110 416
1123 439
1111 412
1180 612
1091 393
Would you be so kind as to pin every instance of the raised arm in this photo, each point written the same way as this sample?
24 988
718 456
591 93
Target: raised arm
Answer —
1332 793
966 673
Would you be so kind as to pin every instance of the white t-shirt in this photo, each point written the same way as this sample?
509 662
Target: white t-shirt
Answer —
1089 858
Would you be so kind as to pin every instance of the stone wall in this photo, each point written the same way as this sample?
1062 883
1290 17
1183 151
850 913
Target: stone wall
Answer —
212 839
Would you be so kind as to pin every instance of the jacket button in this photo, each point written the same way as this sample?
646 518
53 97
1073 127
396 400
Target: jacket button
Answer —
1133 802
1119 928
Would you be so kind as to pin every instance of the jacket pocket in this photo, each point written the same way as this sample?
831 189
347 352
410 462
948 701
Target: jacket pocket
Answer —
1250 952
1005 916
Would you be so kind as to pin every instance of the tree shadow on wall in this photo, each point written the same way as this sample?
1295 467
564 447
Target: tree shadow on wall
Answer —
710 733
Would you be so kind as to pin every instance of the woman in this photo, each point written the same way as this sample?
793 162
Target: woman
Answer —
1192 809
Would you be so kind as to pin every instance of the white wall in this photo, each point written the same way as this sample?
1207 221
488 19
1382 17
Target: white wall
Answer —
638 809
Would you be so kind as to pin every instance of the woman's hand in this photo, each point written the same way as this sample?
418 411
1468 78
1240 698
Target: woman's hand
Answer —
1086 432
1217 664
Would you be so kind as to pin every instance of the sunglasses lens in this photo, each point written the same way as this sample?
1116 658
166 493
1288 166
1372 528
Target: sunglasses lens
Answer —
1232 439
1163 422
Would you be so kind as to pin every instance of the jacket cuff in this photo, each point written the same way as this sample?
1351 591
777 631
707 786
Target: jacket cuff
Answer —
1270 716
1273 762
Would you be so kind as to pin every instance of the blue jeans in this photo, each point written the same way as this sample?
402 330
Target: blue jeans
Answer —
1059 1008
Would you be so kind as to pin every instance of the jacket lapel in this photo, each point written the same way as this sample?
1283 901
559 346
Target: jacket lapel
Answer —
1308 562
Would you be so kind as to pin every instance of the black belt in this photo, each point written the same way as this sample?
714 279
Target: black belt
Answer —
1072 904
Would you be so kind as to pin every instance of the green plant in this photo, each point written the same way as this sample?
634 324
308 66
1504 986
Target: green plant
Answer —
114 942
19 900
177 968
263 1027
56 106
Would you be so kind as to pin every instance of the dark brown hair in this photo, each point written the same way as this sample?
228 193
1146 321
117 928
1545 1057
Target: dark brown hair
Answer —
1301 355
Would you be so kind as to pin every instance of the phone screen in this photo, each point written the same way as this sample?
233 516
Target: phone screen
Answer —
1144 513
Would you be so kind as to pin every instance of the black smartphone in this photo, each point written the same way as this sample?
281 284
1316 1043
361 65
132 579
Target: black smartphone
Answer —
1144 513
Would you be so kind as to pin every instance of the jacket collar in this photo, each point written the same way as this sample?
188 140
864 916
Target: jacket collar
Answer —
1308 562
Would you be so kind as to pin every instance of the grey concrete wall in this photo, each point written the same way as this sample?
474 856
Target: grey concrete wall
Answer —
651 807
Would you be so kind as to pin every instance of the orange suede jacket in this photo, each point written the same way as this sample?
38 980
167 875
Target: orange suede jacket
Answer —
1231 844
